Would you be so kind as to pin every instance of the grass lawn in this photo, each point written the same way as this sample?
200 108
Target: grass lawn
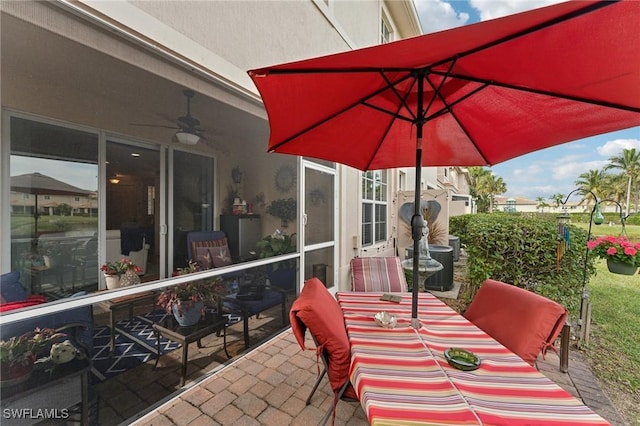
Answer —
614 347
633 231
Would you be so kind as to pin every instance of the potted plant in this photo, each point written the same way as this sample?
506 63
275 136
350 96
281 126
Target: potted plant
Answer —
187 301
19 353
281 274
623 256
121 273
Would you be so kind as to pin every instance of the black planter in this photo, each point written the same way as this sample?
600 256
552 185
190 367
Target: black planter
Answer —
442 280
455 243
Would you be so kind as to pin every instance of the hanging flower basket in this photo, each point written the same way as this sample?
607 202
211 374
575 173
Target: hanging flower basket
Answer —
623 256
621 268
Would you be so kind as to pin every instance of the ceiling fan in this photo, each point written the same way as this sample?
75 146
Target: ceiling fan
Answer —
188 127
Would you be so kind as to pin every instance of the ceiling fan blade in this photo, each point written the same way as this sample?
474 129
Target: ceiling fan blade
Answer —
155 125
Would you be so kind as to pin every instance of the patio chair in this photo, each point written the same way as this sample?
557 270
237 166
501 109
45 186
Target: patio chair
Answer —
524 322
317 310
269 298
199 244
377 274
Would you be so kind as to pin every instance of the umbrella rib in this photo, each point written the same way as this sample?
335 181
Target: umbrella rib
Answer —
449 108
391 113
436 91
403 102
540 92
402 99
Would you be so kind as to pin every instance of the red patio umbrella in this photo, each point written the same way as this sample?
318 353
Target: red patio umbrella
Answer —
471 96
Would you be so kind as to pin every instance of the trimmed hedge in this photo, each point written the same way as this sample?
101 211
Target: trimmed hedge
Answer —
521 250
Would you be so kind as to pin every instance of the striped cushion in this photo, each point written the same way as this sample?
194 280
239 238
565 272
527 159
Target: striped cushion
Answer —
222 242
377 274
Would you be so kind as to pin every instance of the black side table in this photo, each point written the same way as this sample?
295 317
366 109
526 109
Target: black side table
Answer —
48 395
170 329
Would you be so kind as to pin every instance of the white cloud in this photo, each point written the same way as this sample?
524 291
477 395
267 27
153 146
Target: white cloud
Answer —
531 171
570 170
615 147
438 15
491 9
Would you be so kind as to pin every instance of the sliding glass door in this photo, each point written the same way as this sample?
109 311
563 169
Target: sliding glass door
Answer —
193 183
319 222
132 214
53 206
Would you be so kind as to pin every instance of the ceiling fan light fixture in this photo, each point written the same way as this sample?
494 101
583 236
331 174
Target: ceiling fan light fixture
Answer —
187 138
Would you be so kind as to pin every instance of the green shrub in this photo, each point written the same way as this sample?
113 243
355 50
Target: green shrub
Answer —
521 250
633 219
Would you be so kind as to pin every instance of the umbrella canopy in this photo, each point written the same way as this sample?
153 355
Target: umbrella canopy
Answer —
39 184
471 96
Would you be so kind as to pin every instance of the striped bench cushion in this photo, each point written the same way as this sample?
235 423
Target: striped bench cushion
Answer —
377 274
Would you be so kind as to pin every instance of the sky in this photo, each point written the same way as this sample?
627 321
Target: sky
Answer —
546 172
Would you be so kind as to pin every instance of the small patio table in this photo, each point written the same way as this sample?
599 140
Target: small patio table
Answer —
401 375
124 303
212 323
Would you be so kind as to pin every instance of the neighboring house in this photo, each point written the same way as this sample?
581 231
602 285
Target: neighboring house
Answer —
515 204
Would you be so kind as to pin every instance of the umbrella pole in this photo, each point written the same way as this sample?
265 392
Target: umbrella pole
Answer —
417 221
417 225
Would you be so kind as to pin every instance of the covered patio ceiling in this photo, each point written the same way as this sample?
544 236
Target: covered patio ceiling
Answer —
50 75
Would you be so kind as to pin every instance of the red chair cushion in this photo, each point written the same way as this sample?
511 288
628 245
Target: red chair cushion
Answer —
32 300
377 274
317 310
525 322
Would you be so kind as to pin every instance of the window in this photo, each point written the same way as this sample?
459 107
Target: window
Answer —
385 31
374 207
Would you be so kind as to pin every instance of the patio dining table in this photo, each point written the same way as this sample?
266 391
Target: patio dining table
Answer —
402 377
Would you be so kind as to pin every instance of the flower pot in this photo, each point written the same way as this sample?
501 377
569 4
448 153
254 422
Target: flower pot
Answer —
621 268
12 373
113 281
129 278
187 312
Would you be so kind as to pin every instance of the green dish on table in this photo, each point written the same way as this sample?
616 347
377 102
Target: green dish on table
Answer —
462 359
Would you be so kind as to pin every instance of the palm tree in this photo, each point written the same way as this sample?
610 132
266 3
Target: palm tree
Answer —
615 188
492 186
557 199
477 175
629 163
593 181
541 203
